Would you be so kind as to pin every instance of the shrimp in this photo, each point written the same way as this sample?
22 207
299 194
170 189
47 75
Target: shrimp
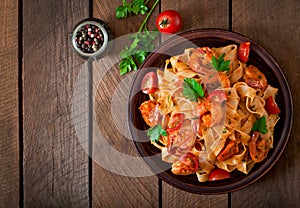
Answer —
230 150
181 141
255 78
200 60
217 79
150 112
258 148
225 82
211 113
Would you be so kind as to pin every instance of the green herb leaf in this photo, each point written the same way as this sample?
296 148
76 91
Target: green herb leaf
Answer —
220 64
121 12
126 65
192 90
138 6
135 7
261 125
155 132
140 56
224 130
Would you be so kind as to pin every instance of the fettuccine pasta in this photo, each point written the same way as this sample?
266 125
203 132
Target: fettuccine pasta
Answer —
227 127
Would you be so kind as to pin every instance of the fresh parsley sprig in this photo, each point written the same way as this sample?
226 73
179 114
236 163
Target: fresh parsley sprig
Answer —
137 52
155 132
141 45
220 64
260 125
135 7
192 90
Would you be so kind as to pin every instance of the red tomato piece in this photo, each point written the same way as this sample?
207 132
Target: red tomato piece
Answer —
271 106
186 165
244 51
149 83
218 174
204 49
175 122
189 158
169 21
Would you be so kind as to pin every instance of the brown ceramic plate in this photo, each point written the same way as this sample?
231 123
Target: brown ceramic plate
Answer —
212 38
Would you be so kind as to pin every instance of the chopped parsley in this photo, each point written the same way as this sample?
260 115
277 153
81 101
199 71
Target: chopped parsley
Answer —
224 130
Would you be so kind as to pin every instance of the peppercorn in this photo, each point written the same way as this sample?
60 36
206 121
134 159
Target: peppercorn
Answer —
89 38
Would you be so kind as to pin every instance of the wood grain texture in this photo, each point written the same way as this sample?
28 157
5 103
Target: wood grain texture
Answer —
55 163
275 25
199 14
177 198
196 14
9 105
110 189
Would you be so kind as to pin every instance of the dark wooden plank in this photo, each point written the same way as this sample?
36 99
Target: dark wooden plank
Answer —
275 25
196 14
9 105
170 195
55 163
110 189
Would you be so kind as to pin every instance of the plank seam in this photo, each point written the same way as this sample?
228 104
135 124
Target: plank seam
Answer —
90 133
160 198
91 3
90 120
229 200
230 15
20 107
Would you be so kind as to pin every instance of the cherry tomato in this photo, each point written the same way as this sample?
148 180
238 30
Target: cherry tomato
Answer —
217 95
169 21
244 51
175 122
189 158
271 106
149 83
218 174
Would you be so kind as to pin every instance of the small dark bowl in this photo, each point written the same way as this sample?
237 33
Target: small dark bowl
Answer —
258 57
104 30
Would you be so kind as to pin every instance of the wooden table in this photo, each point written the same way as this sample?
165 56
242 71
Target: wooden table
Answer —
44 163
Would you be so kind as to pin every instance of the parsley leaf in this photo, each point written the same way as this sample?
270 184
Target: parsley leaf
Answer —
192 90
260 125
126 65
135 7
121 12
140 56
155 132
138 6
220 64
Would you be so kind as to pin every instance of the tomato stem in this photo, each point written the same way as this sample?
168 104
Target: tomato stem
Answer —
164 23
143 25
